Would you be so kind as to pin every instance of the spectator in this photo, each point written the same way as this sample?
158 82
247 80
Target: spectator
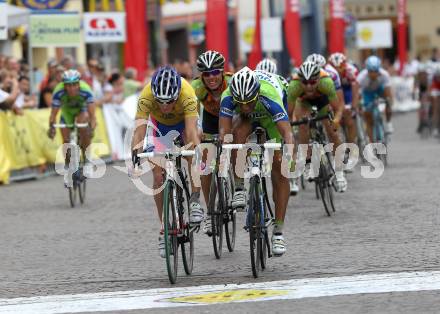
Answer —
85 74
45 100
114 90
99 79
435 55
51 73
25 99
13 66
131 85
59 73
8 91
67 62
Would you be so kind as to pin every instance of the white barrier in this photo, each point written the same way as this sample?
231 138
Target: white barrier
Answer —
118 122
403 93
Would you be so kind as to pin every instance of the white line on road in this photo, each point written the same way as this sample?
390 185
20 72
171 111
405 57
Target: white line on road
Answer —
214 294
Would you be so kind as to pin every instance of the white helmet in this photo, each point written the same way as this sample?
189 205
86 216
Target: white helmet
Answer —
337 59
267 65
309 70
210 60
318 59
244 85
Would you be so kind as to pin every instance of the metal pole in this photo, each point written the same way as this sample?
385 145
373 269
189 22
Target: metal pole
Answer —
158 33
30 58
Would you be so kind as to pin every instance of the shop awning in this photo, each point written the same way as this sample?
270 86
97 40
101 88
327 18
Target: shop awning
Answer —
17 16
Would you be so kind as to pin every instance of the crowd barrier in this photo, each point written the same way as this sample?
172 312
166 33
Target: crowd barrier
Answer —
403 94
24 142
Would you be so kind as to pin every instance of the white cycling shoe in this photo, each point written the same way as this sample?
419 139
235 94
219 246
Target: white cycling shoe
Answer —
196 213
239 200
388 128
308 172
294 188
278 244
207 227
341 181
161 246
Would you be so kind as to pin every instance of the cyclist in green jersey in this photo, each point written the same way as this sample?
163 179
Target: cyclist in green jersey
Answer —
313 87
255 99
74 98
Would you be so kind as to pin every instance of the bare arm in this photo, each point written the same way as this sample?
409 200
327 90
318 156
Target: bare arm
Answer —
13 95
355 96
192 131
225 127
92 117
140 131
285 131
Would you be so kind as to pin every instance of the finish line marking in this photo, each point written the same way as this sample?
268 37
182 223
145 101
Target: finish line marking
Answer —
218 294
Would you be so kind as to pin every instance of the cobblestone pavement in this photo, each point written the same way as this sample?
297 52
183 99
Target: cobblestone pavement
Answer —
110 243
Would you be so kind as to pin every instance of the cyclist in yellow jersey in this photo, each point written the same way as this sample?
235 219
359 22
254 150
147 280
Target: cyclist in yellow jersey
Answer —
170 103
209 88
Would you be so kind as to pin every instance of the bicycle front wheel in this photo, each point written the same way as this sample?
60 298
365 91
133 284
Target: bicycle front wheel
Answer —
72 195
229 214
324 188
254 226
82 190
186 234
215 209
170 230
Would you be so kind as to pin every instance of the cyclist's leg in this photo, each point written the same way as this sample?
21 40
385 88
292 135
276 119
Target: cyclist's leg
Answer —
302 110
210 128
241 129
67 117
386 93
84 133
367 107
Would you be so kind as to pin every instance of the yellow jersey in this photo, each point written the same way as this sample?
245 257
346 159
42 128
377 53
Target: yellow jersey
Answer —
186 105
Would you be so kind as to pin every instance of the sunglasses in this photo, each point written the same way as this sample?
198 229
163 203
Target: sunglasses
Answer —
211 73
165 103
310 82
246 102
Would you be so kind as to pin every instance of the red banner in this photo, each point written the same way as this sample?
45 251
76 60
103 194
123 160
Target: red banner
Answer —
337 26
136 46
217 27
401 33
257 53
292 31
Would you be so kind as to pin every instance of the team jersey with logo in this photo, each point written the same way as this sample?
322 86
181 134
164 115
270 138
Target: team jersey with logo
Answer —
369 85
205 97
61 99
269 108
186 106
325 87
334 75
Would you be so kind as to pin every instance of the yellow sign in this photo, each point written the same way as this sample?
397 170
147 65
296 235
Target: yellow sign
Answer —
248 35
366 34
229 296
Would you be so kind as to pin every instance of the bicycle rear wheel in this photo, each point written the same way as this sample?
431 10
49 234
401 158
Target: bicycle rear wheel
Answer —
215 208
324 188
229 214
82 188
187 239
255 239
170 230
72 195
